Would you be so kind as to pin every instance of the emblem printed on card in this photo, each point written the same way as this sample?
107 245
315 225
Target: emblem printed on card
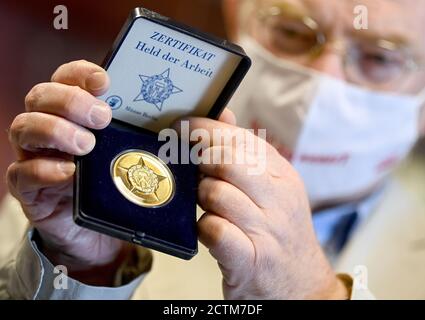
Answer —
157 89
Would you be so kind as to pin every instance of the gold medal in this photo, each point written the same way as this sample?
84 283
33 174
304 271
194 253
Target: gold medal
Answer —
143 178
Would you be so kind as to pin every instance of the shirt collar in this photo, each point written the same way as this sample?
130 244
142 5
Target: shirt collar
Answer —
324 221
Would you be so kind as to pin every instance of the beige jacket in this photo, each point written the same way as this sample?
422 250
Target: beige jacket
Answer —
12 227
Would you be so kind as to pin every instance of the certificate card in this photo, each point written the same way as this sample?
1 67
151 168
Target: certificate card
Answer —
160 75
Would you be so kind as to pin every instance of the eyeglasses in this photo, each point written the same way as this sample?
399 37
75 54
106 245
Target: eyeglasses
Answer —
369 62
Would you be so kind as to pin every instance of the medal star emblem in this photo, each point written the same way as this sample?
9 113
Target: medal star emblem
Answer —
157 89
143 179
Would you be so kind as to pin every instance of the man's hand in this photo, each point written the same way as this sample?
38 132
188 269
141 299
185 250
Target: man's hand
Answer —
46 138
259 227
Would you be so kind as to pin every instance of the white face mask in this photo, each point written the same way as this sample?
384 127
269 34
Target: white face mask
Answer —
342 139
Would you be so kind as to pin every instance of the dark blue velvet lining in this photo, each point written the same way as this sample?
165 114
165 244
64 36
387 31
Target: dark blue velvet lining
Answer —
99 198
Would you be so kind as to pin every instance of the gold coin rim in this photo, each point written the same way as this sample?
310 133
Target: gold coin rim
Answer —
132 197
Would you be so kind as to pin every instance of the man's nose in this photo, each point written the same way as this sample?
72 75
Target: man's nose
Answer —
331 63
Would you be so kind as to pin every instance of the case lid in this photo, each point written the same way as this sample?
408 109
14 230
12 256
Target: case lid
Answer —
161 71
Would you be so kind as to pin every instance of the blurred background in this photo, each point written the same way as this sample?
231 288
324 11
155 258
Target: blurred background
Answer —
31 48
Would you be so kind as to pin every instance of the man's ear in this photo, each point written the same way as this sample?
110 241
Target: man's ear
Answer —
231 17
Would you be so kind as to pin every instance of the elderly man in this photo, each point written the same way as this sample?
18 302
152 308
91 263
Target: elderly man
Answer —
342 106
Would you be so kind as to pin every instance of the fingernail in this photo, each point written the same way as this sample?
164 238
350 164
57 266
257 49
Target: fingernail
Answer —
85 141
68 168
100 115
96 81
